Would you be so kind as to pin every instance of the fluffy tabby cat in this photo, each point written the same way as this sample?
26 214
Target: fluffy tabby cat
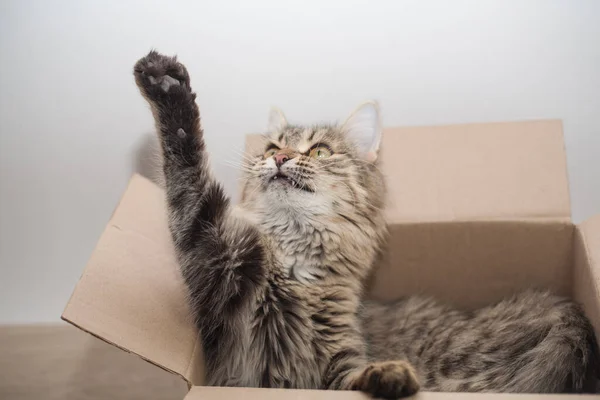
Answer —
276 285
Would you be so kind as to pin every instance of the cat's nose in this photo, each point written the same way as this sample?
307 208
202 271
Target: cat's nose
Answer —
280 159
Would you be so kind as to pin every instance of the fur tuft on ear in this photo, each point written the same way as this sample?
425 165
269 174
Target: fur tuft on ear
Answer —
277 120
363 128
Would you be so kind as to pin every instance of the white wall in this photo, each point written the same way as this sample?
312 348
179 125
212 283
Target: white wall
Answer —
73 126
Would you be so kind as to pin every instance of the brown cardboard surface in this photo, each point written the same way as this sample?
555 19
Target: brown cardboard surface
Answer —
471 264
493 171
586 271
510 170
131 293
218 393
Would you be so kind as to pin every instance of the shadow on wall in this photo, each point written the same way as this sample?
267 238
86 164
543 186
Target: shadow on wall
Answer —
147 160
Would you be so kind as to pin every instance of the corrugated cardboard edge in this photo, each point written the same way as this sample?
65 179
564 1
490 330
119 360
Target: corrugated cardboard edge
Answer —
220 393
566 168
195 369
586 269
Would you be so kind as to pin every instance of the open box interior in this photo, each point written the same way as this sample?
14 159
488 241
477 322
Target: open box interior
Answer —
476 213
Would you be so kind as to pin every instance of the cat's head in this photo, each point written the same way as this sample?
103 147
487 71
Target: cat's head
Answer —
322 170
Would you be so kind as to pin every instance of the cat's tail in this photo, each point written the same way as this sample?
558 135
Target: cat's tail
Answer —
579 347
568 358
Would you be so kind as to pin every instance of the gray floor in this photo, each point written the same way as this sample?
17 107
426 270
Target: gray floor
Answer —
60 362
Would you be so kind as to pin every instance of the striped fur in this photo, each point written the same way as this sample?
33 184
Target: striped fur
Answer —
533 342
276 284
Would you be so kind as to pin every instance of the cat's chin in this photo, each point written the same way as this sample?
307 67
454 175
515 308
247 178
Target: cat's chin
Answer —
282 179
292 199
285 182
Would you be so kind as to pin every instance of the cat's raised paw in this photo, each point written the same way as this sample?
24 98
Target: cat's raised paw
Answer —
156 73
388 380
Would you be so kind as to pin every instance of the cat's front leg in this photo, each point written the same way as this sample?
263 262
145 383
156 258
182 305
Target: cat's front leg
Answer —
221 257
348 370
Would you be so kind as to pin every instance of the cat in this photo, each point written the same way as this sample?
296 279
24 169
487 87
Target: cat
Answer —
276 284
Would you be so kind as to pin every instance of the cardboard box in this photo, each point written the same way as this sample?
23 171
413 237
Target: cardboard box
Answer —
477 212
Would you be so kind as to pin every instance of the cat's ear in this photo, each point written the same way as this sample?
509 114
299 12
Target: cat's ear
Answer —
363 128
277 120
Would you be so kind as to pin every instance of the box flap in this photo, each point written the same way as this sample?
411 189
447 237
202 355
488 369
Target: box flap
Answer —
493 171
586 279
131 293
219 393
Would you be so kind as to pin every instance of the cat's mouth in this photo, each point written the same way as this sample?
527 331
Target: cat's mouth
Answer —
281 178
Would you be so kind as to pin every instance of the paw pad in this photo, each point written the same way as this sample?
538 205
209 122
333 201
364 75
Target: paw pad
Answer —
165 82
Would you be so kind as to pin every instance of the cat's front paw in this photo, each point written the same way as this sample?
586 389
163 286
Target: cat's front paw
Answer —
158 75
388 380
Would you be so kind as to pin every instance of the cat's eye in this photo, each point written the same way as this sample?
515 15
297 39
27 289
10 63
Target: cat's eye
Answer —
270 153
320 152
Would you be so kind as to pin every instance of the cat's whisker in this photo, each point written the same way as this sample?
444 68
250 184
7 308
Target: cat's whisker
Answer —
243 162
246 157
237 165
368 163
256 187
237 162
